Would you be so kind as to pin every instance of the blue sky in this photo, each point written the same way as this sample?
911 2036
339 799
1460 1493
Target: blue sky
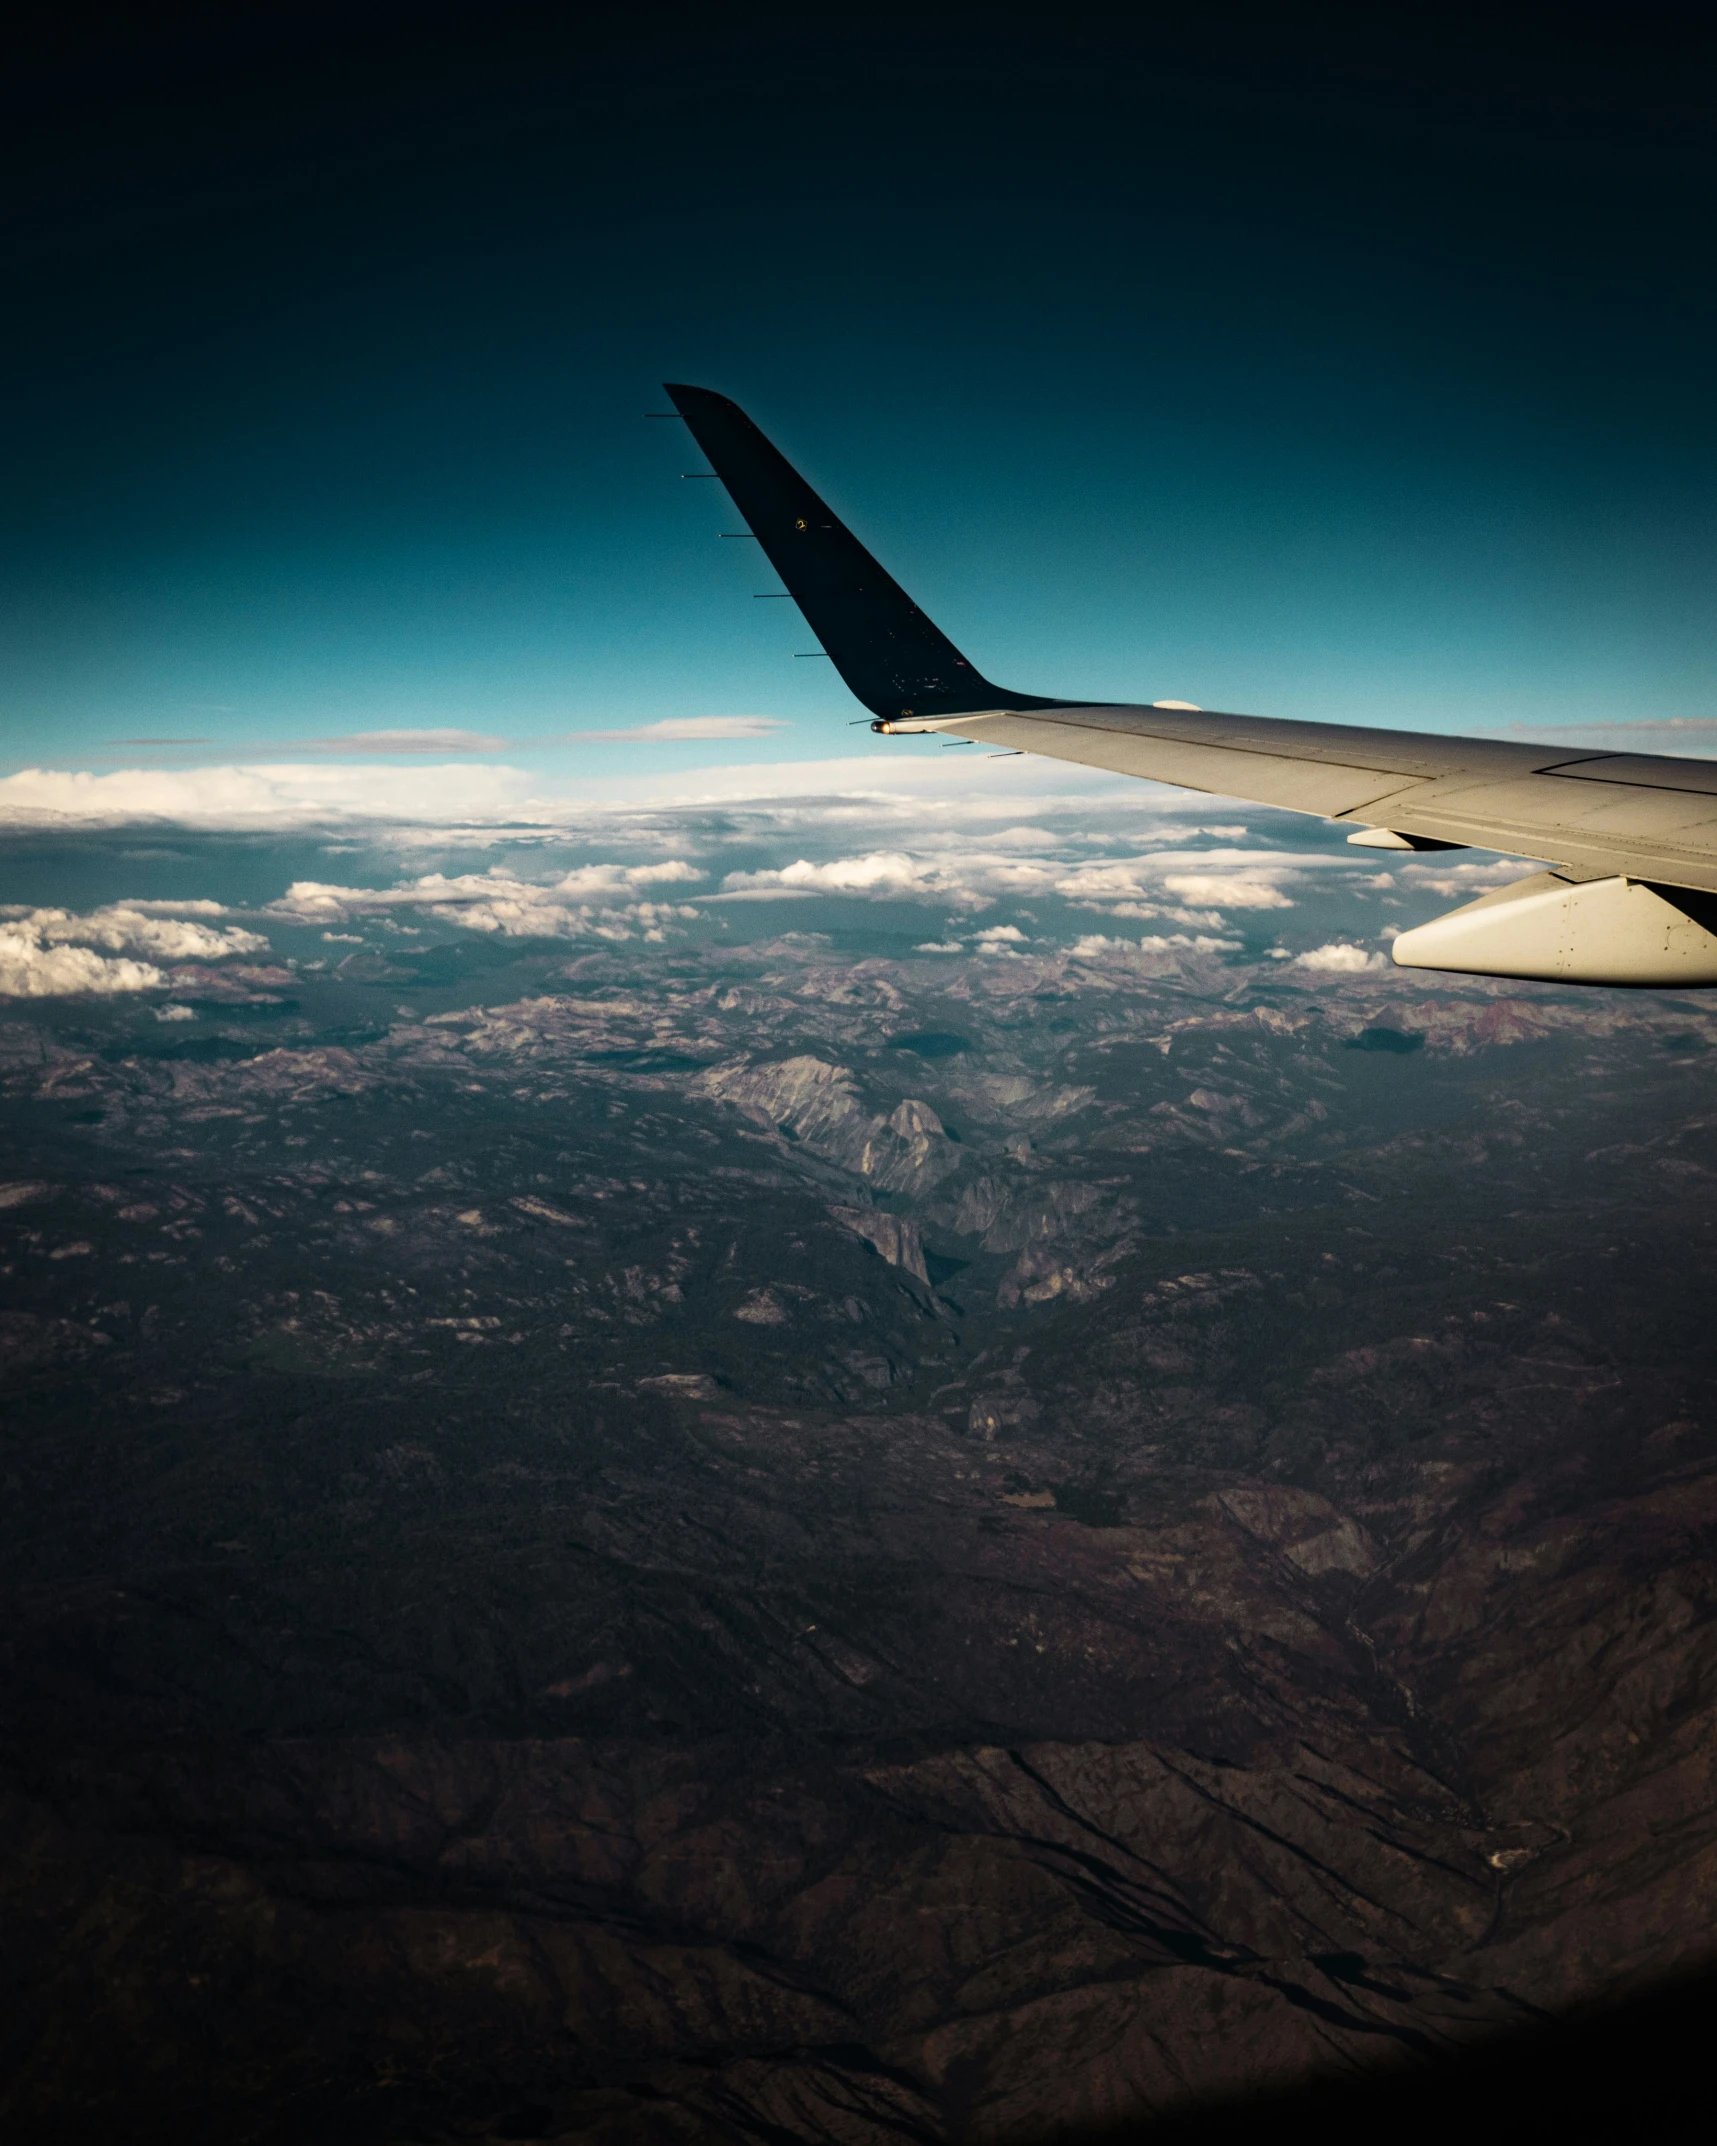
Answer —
1165 398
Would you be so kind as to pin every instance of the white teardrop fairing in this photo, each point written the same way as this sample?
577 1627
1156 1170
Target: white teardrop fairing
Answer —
1556 930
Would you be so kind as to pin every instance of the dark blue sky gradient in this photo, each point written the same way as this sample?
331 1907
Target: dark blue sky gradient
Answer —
1146 382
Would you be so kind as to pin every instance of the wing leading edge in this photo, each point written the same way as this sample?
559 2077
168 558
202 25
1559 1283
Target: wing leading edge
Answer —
1595 817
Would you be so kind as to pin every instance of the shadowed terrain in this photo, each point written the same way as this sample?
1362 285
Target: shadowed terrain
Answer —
774 1544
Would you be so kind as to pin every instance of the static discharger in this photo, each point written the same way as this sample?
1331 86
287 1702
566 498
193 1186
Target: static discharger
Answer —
737 536
810 655
699 476
771 596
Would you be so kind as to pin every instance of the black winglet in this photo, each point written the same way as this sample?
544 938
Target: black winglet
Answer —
891 656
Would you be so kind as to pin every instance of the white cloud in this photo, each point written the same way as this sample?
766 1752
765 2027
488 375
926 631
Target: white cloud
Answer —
1117 879
431 743
960 872
1468 879
1149 912
688 729
1229 890
175 1012
158 909
274 798
602 901
363 743
909 786
144 928
1148 885
53 952
999 935
761 894
1013 838
940 946
1338 959
880 875
28 969
1095 946
989 836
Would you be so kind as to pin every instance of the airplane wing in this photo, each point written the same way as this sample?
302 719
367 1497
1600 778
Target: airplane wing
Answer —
1631 837
1642 815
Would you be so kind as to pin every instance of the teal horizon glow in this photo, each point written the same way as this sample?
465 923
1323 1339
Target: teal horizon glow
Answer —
1292 425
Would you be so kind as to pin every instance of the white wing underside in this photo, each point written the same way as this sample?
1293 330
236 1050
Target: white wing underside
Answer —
1594 815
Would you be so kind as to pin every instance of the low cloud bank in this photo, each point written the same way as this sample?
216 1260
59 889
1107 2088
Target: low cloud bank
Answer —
1097 946
53 953
362 744
1156 884
1228 890
1003 873
1468 880
262 799
598 901
28 969
688 729
288 798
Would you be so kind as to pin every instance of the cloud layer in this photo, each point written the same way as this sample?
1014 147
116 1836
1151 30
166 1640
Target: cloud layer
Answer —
689 729
287 797
50 953
600 901
1001 863
364 744
969 876
438 743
